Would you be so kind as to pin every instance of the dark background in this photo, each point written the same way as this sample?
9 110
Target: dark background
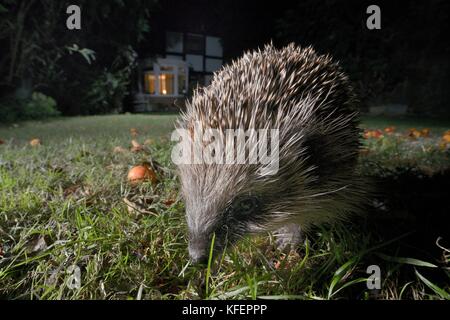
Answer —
406 62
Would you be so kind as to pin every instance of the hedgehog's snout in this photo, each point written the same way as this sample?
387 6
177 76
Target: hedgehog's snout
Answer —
198 250
200 246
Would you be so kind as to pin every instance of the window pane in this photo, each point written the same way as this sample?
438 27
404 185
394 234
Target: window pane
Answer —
149 82
195 43
213 47
212 65
174 42
166 84
195 61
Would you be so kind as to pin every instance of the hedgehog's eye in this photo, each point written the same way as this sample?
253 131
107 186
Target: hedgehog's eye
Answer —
246 206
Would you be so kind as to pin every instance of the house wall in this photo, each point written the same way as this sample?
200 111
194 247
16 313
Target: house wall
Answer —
191 31
203 55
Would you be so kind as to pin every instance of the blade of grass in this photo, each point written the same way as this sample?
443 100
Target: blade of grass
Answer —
439 291
404 288
340 273
411 261
208 269
348 284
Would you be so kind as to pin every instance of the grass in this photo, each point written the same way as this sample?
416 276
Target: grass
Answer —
66 205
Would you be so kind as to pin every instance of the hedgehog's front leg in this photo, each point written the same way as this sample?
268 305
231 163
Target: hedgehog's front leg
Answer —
288 237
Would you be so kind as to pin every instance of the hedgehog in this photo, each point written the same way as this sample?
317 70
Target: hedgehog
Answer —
309 101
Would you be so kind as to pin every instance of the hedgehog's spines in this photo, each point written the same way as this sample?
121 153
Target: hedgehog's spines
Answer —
306 97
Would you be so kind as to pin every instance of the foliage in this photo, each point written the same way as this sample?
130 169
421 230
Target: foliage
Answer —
37 106
111 86
403 62
40 106
40 54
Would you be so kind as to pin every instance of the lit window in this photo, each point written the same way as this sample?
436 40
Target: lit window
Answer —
166 78
166 84
150 82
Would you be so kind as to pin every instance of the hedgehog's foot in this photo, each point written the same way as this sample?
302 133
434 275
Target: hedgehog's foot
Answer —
288 237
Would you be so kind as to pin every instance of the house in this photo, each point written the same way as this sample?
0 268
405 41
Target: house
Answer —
166 79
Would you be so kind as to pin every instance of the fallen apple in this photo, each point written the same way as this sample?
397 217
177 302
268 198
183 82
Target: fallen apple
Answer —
140 174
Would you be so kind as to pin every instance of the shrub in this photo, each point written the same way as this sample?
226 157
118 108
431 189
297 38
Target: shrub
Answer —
37 107
112 85
40 106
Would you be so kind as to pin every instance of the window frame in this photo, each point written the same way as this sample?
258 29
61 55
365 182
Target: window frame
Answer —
157 72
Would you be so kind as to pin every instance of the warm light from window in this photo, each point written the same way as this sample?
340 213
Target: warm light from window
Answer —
166 83
156 83
150 83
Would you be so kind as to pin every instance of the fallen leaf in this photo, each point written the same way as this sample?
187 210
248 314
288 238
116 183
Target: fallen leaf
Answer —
373 134
71 189
390 129
37 244
136 146
2 141
134 132
414 133
35 142
131 207
425 132
136 209
169 202
119 149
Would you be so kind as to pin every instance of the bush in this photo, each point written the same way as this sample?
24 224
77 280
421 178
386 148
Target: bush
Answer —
37 107
40 107
110 88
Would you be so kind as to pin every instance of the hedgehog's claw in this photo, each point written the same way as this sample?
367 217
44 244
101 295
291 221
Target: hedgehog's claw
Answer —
288 237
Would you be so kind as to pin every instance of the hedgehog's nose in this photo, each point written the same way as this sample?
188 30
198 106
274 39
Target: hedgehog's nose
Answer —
199 259
197 252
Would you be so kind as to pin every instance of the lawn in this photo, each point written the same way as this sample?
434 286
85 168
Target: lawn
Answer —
67 210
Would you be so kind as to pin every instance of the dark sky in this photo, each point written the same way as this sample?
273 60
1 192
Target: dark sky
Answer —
404 62
241 24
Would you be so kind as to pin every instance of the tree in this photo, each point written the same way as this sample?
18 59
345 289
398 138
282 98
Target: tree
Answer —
406 61
41 54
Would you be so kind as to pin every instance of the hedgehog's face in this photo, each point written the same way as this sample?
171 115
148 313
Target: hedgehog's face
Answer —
218 208
234 221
